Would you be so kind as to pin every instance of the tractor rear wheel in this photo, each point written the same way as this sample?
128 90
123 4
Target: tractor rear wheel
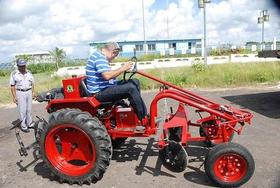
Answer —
229 165
75 146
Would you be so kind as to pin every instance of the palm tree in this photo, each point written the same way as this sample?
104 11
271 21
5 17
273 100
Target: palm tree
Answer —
58 55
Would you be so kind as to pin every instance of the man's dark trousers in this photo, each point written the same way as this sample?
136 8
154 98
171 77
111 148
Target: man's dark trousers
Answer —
125 90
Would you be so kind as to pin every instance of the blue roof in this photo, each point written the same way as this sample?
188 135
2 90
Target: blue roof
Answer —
148 41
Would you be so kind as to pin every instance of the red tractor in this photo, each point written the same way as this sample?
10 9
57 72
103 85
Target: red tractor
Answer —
76 143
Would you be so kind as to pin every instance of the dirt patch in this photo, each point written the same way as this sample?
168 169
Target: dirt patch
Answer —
4 132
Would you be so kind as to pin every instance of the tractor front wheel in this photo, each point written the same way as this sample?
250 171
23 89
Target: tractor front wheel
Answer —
229 165
75 146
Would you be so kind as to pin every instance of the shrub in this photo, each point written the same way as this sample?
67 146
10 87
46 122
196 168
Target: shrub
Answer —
199 67
261 77
40 68
4 73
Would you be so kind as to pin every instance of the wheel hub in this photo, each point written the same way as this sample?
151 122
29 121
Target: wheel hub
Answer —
63 151
230 167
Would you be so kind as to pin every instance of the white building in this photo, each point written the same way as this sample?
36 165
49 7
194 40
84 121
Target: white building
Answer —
163 47
37 57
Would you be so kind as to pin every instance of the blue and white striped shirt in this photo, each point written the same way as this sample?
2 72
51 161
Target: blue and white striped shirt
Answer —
96 65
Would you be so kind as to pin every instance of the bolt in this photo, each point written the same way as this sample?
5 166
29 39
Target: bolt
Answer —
74 146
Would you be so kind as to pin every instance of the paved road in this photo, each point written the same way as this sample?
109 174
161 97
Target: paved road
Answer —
136 163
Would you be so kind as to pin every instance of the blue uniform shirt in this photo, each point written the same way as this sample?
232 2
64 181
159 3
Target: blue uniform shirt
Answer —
96 65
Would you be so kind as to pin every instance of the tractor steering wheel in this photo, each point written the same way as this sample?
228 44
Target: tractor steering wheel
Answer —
132 71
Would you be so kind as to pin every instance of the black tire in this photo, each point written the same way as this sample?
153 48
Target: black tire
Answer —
229 165
95 148
117 142
174 157
175 134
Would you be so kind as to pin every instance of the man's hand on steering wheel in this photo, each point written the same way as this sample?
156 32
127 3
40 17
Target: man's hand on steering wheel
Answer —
128 66
132 69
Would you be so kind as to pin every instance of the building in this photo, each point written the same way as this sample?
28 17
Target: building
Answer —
37 57
256 46
163 47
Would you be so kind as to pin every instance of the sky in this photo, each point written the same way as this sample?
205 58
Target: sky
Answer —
42 25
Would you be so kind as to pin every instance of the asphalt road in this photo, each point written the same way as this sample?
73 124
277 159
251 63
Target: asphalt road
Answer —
136 163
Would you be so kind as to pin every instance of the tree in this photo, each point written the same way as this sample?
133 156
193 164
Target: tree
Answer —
58 56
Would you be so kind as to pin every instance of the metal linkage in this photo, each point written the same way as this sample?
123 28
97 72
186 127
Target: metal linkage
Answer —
23 150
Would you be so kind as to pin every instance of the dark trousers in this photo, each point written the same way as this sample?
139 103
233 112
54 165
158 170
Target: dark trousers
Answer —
125 90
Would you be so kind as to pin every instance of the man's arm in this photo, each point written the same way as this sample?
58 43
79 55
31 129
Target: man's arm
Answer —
33 91
114 73
13 91
13 88
33 86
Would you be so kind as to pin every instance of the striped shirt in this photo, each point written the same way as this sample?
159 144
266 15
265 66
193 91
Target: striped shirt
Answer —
96 65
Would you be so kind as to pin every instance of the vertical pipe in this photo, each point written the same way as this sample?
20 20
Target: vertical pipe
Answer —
205 46
167 19
144 33
263 36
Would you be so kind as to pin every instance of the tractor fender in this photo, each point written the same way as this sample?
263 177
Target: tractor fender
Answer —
88 104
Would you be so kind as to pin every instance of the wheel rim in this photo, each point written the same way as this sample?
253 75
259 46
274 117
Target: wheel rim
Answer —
230 167
70 150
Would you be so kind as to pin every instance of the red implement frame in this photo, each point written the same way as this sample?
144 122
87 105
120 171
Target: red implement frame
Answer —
226 117
222 119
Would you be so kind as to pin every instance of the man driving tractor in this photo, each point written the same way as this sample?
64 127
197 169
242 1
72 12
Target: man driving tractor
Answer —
101 81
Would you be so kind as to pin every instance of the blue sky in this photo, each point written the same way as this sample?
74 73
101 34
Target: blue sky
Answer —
161 4
42 25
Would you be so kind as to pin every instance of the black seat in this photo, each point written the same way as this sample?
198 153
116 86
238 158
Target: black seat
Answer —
84 93
83 88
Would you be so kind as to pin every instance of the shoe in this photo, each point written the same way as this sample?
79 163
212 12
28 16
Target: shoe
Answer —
31 125
25 130
140 128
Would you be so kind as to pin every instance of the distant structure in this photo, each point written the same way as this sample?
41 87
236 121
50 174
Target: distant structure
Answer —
34 58
162 47
256 46
37 57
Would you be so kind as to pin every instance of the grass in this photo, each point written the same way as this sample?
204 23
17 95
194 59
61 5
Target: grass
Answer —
213 76
218 76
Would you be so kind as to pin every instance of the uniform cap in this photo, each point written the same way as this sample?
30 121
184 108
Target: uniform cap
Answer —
21 62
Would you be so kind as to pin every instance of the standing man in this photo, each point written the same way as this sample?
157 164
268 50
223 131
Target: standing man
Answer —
101 81
22 88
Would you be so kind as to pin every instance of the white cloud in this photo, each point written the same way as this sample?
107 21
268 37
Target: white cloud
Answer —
28 26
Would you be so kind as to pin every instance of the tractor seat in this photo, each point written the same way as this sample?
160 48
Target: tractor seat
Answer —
83 88
84 93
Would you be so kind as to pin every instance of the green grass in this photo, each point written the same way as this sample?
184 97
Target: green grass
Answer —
212 76
218 76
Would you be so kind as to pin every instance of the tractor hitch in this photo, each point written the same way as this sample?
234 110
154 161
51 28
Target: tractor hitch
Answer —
23 149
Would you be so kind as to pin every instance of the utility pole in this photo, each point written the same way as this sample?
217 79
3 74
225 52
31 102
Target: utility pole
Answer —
264 17
144 33
202 4
167 19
